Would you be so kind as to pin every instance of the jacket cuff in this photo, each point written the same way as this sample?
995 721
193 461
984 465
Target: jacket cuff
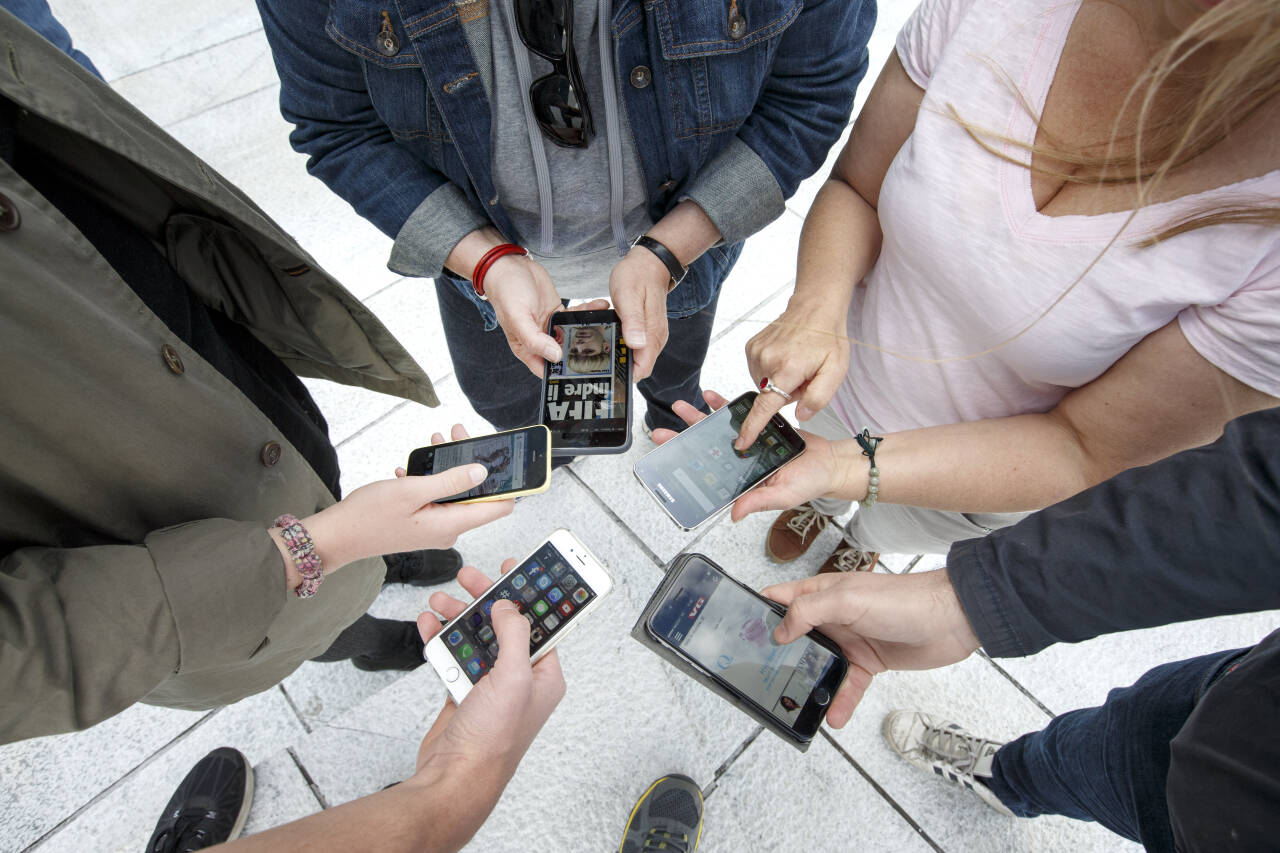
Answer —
429 234
979 595
225 584
737 192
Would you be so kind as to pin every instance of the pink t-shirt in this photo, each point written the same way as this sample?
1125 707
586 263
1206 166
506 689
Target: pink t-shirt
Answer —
968 261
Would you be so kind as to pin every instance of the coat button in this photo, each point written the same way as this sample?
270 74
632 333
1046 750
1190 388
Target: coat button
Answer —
386 41
270 453
737 26
172 359
641 76
9 218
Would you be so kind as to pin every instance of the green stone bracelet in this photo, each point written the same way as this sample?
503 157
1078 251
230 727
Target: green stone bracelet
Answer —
869 443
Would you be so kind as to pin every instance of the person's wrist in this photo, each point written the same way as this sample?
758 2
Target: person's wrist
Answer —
854 468
327 538
961 629
821 304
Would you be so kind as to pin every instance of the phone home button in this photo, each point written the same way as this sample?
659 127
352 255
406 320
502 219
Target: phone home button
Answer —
451 674
821 697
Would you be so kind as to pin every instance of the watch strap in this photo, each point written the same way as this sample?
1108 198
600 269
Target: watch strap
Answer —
668 258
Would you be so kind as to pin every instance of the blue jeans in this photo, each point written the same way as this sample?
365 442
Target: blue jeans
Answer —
1110 763
503 391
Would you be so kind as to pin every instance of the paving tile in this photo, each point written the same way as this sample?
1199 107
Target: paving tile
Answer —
122 41
1070 676
47 779
281 794
188 85
769 800
348 409
256 156
125 816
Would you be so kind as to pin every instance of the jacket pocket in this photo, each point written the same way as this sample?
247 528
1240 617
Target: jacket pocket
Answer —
396 83
717 56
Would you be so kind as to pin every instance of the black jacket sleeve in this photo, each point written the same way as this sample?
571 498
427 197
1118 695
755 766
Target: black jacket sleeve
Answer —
1192 536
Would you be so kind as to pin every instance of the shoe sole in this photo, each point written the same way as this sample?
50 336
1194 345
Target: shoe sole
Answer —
246 804
644 798
768 552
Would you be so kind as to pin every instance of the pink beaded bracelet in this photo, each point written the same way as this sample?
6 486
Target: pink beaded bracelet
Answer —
303 552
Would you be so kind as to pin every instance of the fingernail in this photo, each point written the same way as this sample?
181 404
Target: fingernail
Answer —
502 605
804 413
551 353
478 473
635 340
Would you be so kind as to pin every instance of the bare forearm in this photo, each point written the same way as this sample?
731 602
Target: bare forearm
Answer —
839 243
470 249
687 231
1013 464
422 815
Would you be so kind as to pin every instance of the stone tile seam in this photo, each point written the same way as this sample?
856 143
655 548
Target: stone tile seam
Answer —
306 777
608 511
729 762
172 126
173 59
293 706
96 798
879 789
1017 684
746 316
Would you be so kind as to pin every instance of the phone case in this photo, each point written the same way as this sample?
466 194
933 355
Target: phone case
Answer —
592 451
641 634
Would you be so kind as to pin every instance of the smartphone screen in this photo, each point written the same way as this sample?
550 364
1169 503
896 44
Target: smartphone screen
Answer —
698 473
517 461
549 592
728 631
587 394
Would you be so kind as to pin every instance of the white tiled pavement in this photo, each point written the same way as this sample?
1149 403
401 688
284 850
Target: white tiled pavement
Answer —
330 733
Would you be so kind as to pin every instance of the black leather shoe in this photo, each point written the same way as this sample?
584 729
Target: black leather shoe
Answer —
396 646
210 805
422 568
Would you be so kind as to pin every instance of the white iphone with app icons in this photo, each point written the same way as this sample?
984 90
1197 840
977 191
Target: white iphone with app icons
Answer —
554 587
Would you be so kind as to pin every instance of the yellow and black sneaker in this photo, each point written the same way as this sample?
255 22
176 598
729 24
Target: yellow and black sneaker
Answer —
668 816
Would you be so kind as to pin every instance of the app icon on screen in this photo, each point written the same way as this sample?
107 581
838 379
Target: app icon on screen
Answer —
477 619
543 582
485 634
555 595
466 651
566 608
558 568
528 594
551 622
536 635
474 666
455 637
580 594
518 581
540 608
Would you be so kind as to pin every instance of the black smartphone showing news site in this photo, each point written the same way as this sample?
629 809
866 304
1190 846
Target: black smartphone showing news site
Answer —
725 629
586 396
698 473
518 461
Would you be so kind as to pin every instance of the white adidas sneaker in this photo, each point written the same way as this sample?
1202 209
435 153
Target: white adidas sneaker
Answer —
946 750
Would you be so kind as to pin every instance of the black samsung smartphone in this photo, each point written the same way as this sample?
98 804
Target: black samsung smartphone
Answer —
518 460
586 396
698 473
725 629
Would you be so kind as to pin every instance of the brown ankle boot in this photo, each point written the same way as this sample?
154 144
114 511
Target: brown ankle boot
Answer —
793 532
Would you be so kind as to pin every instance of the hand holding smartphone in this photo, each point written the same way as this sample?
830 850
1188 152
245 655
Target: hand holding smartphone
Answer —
586 396
698 473
554 587
518 462
716 628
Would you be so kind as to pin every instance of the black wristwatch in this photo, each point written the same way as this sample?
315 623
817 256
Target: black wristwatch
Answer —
668 259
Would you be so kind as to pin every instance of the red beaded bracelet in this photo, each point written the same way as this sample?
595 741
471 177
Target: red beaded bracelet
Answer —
491 256
303 552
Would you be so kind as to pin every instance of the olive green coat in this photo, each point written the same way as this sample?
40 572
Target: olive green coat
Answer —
136 482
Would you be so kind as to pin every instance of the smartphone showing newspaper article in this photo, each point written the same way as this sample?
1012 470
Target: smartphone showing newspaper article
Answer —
586 396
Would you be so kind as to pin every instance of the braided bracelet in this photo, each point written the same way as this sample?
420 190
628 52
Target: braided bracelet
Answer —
869 443
303 552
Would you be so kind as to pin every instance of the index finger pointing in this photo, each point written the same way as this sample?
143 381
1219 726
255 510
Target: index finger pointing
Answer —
765 407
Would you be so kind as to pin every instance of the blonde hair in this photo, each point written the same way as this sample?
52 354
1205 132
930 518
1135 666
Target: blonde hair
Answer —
589 363
1209 107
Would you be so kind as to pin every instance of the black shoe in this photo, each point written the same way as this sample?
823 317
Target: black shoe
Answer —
209 807
668 816
397 645
422 568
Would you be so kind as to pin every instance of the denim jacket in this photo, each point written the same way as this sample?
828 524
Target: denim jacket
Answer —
732 103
